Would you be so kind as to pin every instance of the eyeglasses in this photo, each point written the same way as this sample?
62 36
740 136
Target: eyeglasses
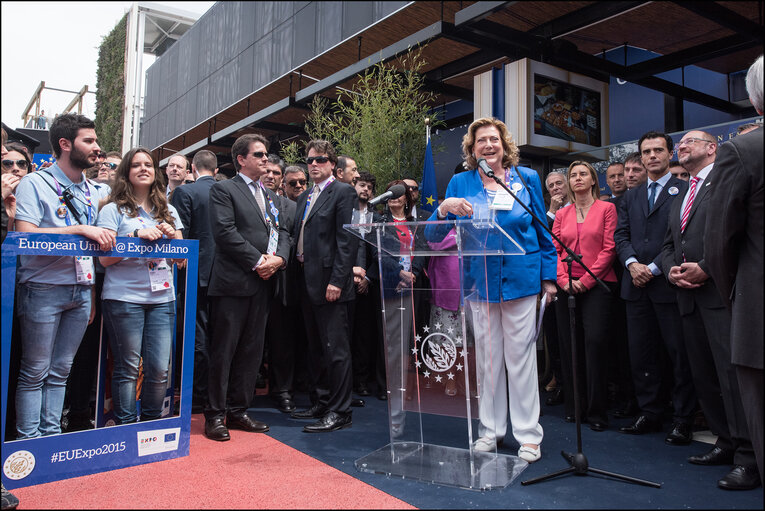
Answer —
692 140
317 159
296 181
22 164
414 188
112 166
259 154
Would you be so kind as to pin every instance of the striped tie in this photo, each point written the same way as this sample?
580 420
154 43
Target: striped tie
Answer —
688 204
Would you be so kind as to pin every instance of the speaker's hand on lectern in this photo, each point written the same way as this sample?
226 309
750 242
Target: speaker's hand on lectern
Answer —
455 205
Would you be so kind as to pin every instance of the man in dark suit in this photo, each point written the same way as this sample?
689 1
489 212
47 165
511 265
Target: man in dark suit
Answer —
705 320
619 361
251 244
192 203
366 341
281 327
325 253
734 256
652 315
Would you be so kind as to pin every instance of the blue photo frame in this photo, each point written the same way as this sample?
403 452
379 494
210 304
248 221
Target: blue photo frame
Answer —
52 458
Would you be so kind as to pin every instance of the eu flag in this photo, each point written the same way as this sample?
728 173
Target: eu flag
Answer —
429 191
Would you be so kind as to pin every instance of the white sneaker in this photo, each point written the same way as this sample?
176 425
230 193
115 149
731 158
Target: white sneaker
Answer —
485 444
529 454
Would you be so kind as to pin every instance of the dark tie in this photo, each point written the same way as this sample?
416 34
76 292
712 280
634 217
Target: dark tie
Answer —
652 194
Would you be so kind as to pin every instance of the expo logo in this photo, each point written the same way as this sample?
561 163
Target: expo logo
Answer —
149 440
19 465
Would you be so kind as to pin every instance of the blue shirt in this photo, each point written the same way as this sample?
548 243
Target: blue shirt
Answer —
128 279
39 204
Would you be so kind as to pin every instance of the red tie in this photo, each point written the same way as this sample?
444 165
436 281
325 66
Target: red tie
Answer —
689 204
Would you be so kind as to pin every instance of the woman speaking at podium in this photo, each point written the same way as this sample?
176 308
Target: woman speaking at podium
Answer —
507 286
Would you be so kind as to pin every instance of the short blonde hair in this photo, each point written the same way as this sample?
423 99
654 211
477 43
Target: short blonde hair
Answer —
594 191
511 156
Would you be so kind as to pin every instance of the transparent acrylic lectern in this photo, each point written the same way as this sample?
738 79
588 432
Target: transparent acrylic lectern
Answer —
432 332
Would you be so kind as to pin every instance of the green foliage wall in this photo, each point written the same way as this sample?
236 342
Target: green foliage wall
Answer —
110 88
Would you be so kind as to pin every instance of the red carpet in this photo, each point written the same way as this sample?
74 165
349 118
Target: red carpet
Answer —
250 471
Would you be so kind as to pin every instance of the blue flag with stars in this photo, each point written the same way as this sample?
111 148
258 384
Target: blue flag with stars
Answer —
429 190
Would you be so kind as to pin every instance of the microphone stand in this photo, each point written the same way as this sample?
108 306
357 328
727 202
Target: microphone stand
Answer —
577 462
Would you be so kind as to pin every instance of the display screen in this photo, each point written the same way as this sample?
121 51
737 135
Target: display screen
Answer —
566 111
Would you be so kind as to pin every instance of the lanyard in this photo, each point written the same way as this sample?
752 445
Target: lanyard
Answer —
63 207
274 209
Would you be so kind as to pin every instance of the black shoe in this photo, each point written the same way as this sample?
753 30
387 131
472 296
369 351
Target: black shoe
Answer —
216 430
598 426
330 422
245 423
9 500
716 456
740 478
362 389
358 403
680 434
627 411
642 425
382 395
286 405
315 412
556 398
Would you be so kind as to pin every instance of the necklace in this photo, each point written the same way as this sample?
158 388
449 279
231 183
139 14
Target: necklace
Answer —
582 211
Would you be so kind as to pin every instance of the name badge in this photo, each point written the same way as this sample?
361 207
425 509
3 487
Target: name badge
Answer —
83 265
502 200
405 262
273 240
159 274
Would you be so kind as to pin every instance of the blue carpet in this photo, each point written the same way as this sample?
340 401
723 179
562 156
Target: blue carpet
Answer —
645 457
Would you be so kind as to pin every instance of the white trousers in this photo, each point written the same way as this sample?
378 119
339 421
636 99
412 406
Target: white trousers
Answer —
504 334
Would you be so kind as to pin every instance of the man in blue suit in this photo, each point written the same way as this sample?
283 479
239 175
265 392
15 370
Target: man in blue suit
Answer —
652 315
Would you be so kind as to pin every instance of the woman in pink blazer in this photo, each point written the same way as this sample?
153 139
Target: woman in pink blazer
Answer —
587 227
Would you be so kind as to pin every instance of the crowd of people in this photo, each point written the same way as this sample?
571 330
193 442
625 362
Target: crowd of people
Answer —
668 288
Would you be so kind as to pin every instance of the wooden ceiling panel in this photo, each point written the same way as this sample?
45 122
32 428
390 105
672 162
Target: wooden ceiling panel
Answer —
525 16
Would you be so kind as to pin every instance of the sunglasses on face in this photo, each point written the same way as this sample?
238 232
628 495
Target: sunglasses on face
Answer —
317 159
22 164
111 166
414 188
259 154
295 182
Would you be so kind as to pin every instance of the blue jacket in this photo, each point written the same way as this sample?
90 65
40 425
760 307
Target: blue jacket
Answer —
510 276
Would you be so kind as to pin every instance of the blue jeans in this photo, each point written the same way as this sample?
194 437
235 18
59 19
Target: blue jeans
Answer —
139 330
53 319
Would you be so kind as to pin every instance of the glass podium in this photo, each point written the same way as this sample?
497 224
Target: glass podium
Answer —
430 345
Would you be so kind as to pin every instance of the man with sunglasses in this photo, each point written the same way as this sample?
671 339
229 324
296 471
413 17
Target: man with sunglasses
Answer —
325 254
281 327
55 301
294 182
108 168
251 244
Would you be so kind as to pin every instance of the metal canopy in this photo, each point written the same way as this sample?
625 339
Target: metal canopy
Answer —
467 38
